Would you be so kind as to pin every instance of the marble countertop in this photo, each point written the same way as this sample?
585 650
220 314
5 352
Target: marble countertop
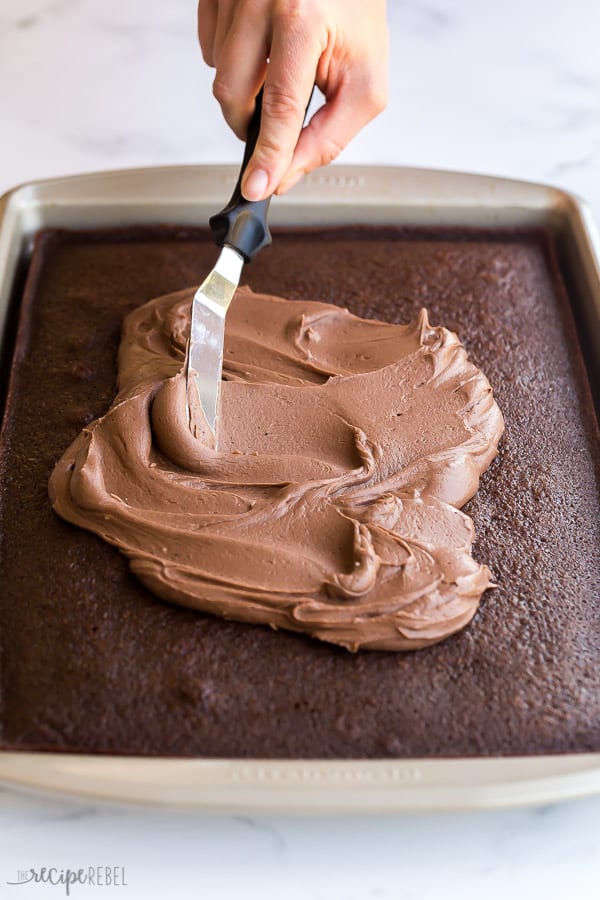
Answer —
511 88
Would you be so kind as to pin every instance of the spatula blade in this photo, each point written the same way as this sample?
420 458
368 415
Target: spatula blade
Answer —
207 333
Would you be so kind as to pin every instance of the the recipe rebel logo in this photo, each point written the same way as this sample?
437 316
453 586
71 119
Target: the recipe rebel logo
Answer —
92 876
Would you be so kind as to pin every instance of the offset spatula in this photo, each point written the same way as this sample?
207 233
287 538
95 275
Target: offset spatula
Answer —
241 229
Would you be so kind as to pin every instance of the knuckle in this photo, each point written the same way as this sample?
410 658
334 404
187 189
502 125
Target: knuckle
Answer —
222 91
280 103
330 150
269 147
293 9
303 18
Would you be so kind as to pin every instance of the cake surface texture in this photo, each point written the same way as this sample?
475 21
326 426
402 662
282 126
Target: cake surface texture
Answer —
93 661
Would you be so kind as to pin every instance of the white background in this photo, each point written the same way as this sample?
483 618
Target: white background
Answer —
508 88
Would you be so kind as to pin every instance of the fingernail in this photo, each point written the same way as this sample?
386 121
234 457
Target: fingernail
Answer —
255 185
290 181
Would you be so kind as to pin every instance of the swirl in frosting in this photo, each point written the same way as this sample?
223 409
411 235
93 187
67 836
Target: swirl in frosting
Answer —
332 506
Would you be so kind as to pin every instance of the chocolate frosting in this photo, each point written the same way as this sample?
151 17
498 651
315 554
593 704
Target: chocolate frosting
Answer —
331 507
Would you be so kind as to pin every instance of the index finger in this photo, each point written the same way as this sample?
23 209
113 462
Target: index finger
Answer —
294 57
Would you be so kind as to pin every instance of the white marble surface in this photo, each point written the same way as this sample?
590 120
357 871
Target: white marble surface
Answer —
510 88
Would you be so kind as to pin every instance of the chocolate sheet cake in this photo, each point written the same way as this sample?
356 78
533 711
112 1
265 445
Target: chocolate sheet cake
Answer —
92 661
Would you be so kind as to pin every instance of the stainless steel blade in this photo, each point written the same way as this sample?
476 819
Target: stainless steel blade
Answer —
207 332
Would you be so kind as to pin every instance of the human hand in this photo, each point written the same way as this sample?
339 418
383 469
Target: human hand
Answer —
339 45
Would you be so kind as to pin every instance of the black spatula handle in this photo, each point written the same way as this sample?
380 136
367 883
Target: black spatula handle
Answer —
242 224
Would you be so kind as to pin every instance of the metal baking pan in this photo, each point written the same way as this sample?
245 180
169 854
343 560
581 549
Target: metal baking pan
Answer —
338 195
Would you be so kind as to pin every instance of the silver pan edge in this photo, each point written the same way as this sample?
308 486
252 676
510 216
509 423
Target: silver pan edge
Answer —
337 195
